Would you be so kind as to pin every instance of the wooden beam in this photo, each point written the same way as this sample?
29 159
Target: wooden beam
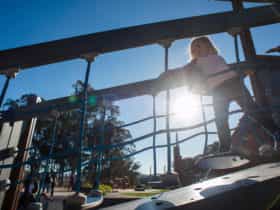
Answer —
269 58
256 1
262 1
147 87
136 36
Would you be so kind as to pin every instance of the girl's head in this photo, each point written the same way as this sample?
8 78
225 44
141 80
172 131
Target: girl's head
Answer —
201 47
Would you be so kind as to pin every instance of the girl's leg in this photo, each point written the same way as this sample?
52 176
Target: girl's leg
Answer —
246 102
221 105
242 96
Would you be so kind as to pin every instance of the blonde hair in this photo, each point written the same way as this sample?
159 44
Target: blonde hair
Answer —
206 41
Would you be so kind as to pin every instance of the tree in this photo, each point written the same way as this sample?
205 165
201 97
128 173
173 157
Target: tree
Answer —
102 115
13 104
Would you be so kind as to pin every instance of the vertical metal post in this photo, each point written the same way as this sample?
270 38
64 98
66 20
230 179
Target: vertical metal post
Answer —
89 59
241 73
154 136
245 35
204 125
167 115
101 143
46 169
11 73
4 90
250 53
166 44
236 48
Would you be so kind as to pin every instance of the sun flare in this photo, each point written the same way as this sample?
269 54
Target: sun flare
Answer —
186 107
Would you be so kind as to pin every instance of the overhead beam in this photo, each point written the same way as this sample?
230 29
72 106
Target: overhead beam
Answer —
136 36
256 1
147 87
262 1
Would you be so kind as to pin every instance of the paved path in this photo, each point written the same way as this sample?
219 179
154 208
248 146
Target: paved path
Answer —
56 202
61 193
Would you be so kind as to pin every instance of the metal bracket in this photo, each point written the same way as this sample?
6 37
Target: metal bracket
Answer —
11 72
154 91
235 31
166 43
90 57
249 72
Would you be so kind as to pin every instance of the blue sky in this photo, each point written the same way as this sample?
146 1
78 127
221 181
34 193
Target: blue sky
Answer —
30 22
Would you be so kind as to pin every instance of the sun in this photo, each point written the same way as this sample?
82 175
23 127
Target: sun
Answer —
186 107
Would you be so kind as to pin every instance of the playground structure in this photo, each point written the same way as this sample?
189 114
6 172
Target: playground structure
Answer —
19 124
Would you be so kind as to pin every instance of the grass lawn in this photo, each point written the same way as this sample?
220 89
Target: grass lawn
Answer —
143 194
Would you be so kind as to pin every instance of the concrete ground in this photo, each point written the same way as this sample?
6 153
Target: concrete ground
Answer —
60 194
55 203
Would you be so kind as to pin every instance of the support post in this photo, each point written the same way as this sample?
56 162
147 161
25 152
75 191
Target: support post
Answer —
10 74
89 58
241 73
100 152
250 54
204 124
154 136
4 90
166 45
55 116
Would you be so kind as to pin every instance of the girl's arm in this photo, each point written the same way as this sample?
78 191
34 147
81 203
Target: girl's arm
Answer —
176 77
179 73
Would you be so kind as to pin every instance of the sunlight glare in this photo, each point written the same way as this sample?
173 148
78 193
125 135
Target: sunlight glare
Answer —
186 107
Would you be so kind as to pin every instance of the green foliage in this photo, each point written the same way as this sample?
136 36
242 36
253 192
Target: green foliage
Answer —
105 188
101 127
87 185
22 101
144 193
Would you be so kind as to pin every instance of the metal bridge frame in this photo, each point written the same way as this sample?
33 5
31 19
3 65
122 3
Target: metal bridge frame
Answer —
103 42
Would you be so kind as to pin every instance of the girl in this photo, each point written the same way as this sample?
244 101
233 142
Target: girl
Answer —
224 87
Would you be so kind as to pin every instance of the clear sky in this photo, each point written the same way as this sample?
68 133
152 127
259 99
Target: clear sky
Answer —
29 22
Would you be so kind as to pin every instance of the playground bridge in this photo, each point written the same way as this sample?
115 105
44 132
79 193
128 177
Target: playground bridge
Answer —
19 124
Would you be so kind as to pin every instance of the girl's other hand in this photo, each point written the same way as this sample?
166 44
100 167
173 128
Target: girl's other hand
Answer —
165 75
193 62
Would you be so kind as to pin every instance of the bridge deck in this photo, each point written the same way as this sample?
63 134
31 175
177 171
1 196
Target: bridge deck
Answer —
253 188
